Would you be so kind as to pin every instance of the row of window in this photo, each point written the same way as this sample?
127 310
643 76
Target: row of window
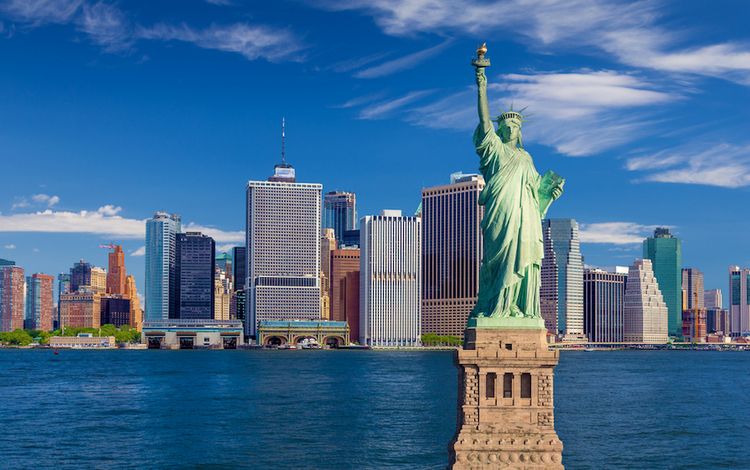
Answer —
507 389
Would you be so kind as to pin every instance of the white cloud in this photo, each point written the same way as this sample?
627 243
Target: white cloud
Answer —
381 109
107 27
140 251
39 12
402 63
724 165
10 247
45 199
103 221
616 233
251 41
578 113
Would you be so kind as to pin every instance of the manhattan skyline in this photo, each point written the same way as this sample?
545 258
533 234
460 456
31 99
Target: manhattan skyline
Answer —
153 109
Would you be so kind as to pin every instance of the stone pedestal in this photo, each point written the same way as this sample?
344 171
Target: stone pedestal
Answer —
506 408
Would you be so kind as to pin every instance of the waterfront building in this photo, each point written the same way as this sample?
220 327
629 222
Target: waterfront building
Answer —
12 297
222 295
562 235
340 213
665 252
327 245
194 270
40 310
194 333
136 312
330 334
239 266
692 284
80 275
116 274
451 253
80 309
645 312
98 279
283 249
603 305
718 320
390 280
161 248
713 298
82 341
115 310
345 288
350 239
694 325
739 301
63 287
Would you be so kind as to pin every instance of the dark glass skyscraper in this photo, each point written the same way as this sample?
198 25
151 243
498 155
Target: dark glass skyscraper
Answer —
665 252
196 263
603 305
340 213
161 236
80 275
239 268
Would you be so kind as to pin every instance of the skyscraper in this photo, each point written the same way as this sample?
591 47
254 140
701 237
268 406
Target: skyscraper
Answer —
327 245
136 312
161 241
98 279
645 312
115 310
562 235
739 301
39 303
604 301
224 264
194 269
283 249
222 294
340 213
390 280
451 253
548 291
63 287
80 275
665 252
344 292
692 284
239 267
116 275
12 297
713 298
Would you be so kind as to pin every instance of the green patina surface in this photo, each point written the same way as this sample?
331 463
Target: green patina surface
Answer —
515 199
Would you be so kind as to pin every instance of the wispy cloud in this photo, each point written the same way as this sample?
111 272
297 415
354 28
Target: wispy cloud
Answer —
360 100
383 108
352 64
39 12
402 63
10 246
251 41
582 111
46 199
107 27
140 251
103 221
616 233
724 165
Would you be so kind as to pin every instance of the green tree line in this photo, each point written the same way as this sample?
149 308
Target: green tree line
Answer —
19 337
432 339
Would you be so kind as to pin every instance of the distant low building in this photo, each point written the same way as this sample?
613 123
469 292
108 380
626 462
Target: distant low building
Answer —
324 333
192 333
83 341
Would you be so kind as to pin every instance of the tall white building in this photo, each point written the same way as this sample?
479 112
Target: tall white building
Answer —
283 249
390 280
645 312
562 236
161 240
739 301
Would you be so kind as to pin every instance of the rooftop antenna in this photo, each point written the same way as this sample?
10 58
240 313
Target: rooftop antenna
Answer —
283 139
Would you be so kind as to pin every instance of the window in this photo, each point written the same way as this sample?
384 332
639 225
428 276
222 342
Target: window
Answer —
525 385
491 379
507 385
509 346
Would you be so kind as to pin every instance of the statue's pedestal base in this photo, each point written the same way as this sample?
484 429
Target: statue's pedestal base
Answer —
506 408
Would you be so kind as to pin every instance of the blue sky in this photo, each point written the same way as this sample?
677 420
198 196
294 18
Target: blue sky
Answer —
112 110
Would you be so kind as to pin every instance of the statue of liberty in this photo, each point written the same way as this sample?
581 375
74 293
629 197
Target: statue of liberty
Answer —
515 199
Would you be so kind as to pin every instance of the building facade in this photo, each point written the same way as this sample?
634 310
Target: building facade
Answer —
694 325
451 253
603 305
713 298
136 312
117 277
562 235
665 252
63 287
692 285
194 269
98 279
80 275
645 312
548 290
40 309
161 248
12 297
739 301
718 321
283 249
222 295
390 280
345 288
115 310
340 213
327 245
80 309
239 267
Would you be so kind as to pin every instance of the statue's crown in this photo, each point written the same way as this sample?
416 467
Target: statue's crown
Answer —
510 115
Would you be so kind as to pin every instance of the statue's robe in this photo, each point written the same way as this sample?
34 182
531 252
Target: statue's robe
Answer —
513 247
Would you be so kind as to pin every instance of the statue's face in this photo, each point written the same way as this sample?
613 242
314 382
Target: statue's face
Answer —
511 130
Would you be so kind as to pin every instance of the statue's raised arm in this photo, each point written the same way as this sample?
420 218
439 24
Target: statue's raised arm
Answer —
480 63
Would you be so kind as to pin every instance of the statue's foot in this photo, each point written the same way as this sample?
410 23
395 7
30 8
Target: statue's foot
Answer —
516 312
